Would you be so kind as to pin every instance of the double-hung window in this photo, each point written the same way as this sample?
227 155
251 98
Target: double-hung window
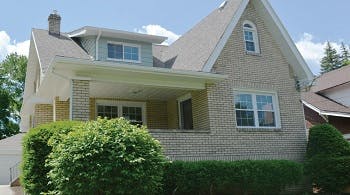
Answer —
123 52
250 37
258 110
132 111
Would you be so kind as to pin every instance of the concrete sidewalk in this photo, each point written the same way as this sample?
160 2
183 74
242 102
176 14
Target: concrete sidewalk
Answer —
7 190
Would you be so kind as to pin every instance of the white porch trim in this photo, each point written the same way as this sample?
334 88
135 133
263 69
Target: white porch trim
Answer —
327 113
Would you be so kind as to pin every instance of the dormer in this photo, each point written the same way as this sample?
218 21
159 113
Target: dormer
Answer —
117 46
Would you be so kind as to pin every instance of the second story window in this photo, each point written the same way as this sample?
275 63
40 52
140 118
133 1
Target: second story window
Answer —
123 52
251 37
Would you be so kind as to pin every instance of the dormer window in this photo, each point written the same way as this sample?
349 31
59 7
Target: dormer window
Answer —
251 37
123 52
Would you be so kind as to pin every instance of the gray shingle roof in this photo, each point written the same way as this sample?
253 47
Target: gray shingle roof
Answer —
324 104
49 46
192 50
332 79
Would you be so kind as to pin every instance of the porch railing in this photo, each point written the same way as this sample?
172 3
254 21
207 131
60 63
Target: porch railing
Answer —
14 172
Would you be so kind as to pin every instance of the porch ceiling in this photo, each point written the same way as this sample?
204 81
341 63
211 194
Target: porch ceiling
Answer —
134 92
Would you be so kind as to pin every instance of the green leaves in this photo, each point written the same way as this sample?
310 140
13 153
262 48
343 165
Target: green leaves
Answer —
237 177
328 161
332 60
111 156
12 78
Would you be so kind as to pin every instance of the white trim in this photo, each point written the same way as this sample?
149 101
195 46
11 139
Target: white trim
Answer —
120 105
254 93
217 51
254 31
123 44
327 113
111 33
71 100
288 39
179 100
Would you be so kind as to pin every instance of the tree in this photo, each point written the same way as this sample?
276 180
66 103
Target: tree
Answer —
344 55
331 60
12 78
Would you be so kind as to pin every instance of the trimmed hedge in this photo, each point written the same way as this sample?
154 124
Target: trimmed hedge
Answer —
107 157
328 159
237 177
330 174
35 152
327 140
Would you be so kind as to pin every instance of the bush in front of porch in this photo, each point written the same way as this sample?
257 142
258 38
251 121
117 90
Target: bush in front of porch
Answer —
107 157
35 152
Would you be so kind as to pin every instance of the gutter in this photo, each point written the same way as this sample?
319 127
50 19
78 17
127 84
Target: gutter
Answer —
97 40
321 112
138 69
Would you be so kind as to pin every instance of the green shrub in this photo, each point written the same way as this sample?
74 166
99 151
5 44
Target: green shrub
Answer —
237 177
330 174
107 157
326 140
35 152
328 158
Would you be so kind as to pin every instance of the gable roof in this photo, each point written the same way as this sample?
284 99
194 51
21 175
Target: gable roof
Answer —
48 46
332 79
199 48
193 49
323 105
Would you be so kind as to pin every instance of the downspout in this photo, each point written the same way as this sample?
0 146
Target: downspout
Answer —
97 39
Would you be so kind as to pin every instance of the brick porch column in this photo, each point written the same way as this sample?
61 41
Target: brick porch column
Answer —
79 101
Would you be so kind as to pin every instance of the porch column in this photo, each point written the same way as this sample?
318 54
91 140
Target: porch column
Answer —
79 100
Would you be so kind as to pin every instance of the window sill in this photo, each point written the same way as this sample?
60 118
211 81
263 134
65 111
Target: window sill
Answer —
253 53
251 129
128 61
179 131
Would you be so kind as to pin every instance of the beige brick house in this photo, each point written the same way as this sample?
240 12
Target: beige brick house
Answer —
226 90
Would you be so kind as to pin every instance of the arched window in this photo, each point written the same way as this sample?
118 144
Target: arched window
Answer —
251 37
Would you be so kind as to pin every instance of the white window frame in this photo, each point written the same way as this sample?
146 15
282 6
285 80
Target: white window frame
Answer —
255 37
254 93
179 101
123 45
120 105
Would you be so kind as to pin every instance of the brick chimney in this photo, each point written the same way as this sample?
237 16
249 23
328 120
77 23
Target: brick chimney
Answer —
54 23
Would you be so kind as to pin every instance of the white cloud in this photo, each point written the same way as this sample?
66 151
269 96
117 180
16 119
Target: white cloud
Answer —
155 29
313 51
7 47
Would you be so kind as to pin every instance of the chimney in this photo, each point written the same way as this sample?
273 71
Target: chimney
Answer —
54 23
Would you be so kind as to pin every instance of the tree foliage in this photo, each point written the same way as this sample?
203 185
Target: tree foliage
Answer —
344 55
331 59
12 78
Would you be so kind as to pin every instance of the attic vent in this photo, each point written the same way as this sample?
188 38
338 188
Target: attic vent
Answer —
222 5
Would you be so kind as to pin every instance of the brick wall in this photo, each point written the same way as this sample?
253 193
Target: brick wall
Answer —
200 110
267 71
173 117
43 113
60 110
312 118
80 100
157 115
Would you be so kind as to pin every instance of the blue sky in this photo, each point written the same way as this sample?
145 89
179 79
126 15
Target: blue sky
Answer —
310 22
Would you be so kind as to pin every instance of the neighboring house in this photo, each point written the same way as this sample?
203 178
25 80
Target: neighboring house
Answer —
226 90
328 101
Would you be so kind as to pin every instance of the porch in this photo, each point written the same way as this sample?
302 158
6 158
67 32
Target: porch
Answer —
161 99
